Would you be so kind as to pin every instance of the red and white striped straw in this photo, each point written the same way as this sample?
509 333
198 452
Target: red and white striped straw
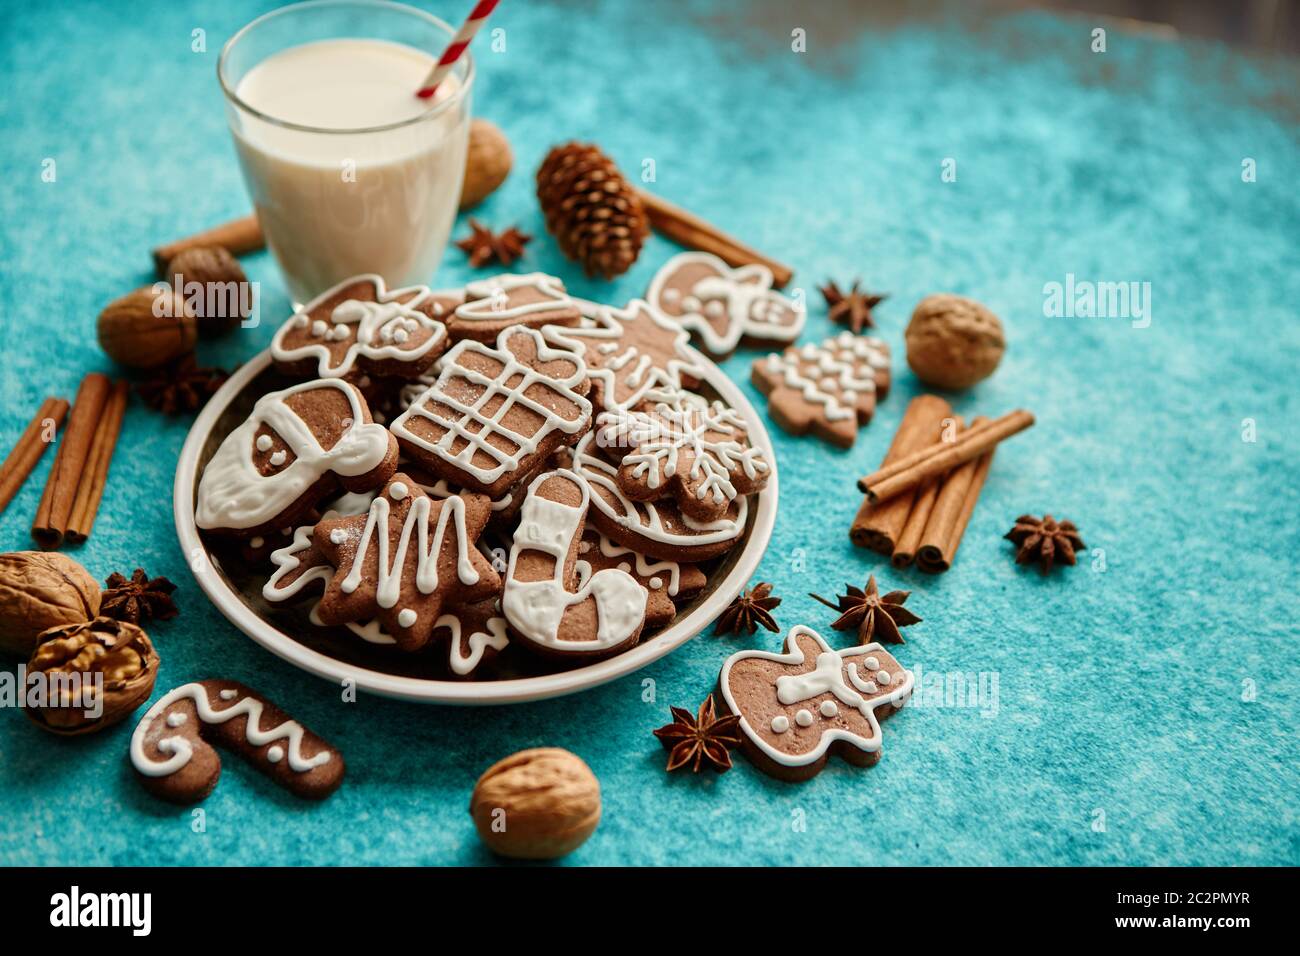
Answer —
477 17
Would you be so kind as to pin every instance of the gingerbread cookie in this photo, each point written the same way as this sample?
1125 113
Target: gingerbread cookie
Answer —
829 389
359 328
541 599
475 634
404 559
173 756
724 306
496 413
659 529
493 305
631 353
799 707
696 452
665 582
298 446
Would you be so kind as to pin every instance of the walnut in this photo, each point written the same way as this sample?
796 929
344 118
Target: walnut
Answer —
221 276
537 804
487 163
148 327
953 342
75 658
40 590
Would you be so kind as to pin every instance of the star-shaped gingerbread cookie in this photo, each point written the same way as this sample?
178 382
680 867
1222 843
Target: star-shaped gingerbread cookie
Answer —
404 560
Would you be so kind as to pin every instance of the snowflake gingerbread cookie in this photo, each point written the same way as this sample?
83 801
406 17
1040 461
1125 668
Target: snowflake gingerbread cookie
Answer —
830 388
496 413
799 707
684 447
359 328
724 306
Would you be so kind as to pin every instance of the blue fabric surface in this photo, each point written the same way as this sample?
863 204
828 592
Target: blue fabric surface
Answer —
1147 699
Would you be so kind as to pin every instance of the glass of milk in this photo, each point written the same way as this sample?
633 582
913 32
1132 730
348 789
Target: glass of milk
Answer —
349 171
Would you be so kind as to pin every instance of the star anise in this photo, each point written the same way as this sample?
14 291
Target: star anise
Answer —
1046 540
702 737
748 611
139 598
483 246
873 616
851 308
181 387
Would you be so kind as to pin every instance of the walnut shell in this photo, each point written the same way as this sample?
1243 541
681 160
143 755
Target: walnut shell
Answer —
133 335
221 275
40 590
487 162
953 342
537 804
119 651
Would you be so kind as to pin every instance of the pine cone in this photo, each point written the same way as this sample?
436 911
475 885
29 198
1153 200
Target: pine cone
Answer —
594 213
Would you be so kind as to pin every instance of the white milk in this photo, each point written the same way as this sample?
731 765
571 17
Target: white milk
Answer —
336 204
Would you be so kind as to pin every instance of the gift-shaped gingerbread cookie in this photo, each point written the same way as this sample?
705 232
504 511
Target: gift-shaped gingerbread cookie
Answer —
684 447
830 388
724 306
631 353
359 328
297 447
404 560
799 707
493 305
496 413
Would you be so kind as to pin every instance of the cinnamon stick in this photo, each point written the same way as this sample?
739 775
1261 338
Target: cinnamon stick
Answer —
914 530
237 237
944 456
91 489
689 230
70 462
878 525
947 510
29 448
940 547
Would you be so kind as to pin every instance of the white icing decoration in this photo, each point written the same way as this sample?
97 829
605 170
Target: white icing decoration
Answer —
264 443
710 433
535 608
371 632
338 536
804 718
175 720
645 567
463 659
371 319
275 754
398 490
882 677
655 583
234 494
844 368
780 724
406 617
181 750
753 309
524 378
442 488
643 517
484 298
828 676
872 663
829 708
278 458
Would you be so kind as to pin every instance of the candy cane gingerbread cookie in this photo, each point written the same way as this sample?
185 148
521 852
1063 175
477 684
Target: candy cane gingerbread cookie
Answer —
172 747
724 306
541 599
830 388
493 305
799 707
359 328
297 447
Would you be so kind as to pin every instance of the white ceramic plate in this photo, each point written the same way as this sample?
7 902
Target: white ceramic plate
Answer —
725 582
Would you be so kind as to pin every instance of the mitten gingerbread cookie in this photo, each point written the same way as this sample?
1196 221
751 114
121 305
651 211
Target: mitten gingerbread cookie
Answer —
173 755
799 707
496 413
297 447
694 451
656 528
829 389
493 305
359 328
724 306
404 559
631 353
541 598
665 582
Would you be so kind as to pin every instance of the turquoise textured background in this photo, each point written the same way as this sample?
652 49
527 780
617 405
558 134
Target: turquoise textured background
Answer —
1147 699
